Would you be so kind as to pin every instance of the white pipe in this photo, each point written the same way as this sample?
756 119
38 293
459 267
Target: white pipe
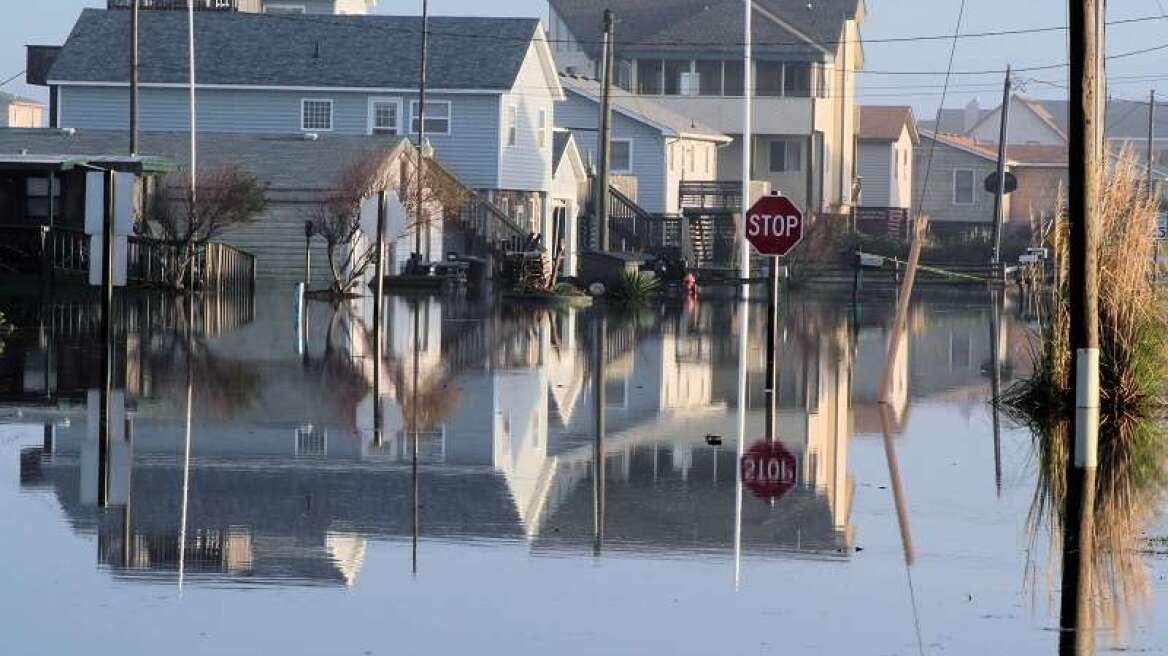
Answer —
743 345
191 50
747 143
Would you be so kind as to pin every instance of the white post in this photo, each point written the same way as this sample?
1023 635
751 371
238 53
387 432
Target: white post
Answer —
747 139
743 348
191 48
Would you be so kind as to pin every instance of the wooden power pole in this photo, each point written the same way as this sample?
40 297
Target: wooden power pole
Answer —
1086 170
1151 142
1000 195
604 149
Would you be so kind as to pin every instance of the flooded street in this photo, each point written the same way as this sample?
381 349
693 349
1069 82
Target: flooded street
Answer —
265 491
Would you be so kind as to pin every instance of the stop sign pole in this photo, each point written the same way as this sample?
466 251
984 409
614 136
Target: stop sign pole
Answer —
774 226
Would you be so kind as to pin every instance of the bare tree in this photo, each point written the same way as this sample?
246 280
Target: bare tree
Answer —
338 218
226 196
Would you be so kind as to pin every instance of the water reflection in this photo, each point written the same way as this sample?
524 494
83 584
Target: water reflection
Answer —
479 425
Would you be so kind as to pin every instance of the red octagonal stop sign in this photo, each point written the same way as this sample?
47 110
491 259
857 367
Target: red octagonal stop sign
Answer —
768 470
774 226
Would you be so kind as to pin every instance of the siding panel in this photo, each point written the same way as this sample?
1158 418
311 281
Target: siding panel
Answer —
527 166
875 167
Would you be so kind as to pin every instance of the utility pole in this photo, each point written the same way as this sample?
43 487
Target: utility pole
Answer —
378 316
1086 167
1151 140
134 78
1086 27
605 145
194 129
418 175
747 139
1000 196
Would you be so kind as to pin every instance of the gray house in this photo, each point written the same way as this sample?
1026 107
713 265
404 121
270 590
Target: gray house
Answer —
488 114
652 144
687 56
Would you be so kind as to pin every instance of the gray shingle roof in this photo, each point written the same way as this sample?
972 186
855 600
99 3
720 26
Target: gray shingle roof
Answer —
642 109
280 162
669 25
291 50
560 141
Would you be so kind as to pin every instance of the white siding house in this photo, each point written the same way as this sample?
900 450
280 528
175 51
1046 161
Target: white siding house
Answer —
488 111
887 138
17 112
654 145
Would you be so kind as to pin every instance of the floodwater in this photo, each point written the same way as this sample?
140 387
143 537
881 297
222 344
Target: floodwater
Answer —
263 488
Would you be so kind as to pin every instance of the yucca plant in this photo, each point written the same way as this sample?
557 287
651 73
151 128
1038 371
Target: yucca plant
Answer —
635 288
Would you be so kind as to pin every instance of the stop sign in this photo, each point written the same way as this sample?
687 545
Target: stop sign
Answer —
768 470
774 226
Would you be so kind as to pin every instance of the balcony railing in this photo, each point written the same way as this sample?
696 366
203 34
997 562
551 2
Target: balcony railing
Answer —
718 197
200 5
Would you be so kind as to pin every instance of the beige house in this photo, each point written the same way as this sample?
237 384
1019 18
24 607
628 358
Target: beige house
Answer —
884 166
685 56
17 112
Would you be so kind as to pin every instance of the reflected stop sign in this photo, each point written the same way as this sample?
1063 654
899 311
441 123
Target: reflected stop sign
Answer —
768 470
774 226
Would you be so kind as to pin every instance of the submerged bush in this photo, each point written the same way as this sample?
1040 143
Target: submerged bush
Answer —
1132 321
635 288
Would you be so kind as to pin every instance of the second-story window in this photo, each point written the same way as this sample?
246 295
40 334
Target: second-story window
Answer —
316 114
785 156
543 128
649 77
622 156
511 127
797 80
709 72
677 73
385 116
768 78
438 117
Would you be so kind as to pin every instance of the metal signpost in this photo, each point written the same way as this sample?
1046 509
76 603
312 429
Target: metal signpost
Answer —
774 226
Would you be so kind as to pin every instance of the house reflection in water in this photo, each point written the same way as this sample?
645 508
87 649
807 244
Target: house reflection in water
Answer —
287 480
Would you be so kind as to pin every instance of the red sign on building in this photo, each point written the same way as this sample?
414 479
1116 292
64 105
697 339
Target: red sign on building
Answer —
774 226
769 471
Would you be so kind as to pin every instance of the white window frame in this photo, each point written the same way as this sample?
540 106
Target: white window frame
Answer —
543 123
972 187
511 126
449 118
332 114
372 127
612 165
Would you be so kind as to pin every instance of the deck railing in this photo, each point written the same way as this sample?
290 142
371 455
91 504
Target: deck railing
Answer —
718 196
216 267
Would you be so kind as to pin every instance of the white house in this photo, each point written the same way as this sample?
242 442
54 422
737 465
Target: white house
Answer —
887 137
569 195
17 112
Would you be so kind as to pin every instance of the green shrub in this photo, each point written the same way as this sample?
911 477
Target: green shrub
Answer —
635 288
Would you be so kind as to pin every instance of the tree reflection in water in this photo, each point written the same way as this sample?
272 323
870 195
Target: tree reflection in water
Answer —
1096 522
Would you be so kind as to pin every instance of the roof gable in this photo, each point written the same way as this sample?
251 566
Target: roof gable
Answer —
887 123
1045 117
299 51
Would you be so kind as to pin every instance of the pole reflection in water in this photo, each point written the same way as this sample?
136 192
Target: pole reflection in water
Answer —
1076 621
186 470
414 436
996 382
599 452
743 347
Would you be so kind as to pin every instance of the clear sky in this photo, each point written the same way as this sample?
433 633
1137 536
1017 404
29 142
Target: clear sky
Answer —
49 21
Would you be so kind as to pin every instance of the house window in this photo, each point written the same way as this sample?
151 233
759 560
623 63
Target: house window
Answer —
732 74
622 156
963 183
769 78
511 129
786 157
709 74
675 69
543 128
36 195
281 8
437 116
797 80
316 114
385 116
649 77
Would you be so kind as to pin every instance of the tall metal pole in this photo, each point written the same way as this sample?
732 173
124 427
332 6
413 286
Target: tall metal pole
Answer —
599 449
1000 196
604 148
1086 168
1151 140
378 317
194 145
107 319
134 78
419 212
747 138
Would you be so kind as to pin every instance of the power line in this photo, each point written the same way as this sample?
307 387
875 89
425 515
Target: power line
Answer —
11 79
940 108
